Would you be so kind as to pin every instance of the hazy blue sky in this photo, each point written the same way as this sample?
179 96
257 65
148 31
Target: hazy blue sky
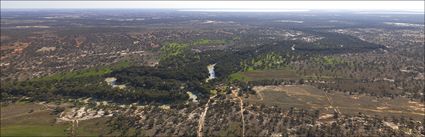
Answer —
350 5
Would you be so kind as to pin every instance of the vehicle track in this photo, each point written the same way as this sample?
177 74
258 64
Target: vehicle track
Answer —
242 117
201 121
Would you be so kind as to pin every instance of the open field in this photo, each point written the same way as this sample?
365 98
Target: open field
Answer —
28 119
309 97
285 74
277 74
271 74
33 130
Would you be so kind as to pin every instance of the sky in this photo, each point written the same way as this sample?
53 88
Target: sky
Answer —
281 5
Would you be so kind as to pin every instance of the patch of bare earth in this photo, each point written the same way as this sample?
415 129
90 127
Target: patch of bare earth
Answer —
79 40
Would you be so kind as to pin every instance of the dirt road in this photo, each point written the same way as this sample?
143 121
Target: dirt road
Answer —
242 117
201 121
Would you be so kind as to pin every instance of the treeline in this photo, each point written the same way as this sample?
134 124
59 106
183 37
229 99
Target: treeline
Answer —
166 83
145 85
175 81
93 87
180 70
266 61
337 43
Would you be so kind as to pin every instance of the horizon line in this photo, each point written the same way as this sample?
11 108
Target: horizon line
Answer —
218 9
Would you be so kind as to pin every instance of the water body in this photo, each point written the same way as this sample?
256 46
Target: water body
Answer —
211 71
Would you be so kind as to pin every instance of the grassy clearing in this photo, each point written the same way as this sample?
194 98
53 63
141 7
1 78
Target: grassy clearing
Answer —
264 62
95 127
254 75
271 74
12 110
201 42
289 96
332 61
33 130
173 49
78 74
178 49
305 96
91 72
19 120
239 76
29 120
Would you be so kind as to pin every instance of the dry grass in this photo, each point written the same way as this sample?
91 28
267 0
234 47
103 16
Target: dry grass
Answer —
308 97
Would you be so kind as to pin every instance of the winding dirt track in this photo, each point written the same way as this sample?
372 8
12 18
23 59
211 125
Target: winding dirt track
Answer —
242 117
201 121
332 104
